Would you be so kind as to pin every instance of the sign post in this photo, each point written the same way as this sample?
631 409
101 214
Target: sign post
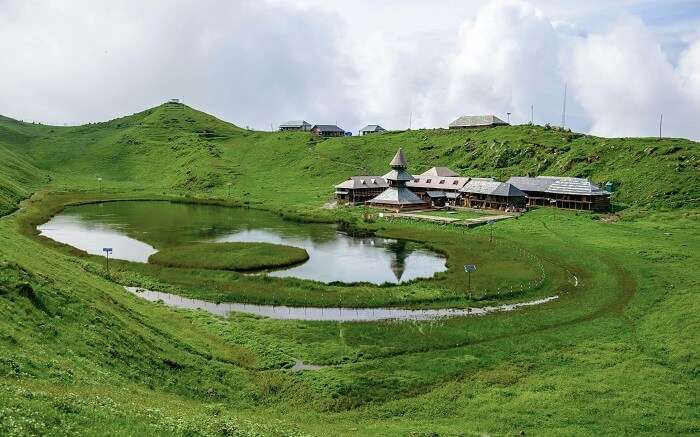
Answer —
107 251
469 268
491 223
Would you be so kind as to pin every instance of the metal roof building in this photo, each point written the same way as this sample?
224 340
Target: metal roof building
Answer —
476 121
295 125
327 130
371 129
563 192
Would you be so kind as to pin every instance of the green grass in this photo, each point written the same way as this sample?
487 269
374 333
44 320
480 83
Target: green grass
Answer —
230 256
617 355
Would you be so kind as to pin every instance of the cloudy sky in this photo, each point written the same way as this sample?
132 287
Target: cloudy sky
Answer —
259 63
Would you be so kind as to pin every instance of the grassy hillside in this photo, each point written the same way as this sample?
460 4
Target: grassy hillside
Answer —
173 147
18 178
615 355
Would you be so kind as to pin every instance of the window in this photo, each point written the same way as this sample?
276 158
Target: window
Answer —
454 182
442 181
428 181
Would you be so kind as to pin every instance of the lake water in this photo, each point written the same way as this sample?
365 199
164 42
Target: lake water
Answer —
137 229
334 314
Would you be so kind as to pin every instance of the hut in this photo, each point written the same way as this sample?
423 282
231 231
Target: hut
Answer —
563 192
372 129
359 189
295 125
477 121
397 196
327 130
484 193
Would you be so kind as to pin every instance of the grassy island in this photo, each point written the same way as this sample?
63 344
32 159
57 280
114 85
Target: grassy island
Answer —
230 256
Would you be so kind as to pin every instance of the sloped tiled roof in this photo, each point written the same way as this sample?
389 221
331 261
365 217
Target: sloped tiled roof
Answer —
480 187
397 196
399 159
356 182
398 175
578 186
439 171
328 128
493 188
477 120
436 193
538 184
438 183
557 185
372 128
295 123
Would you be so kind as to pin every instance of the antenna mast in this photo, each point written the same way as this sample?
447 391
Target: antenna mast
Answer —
563 110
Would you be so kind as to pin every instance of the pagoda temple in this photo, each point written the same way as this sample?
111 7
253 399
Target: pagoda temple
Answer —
397 196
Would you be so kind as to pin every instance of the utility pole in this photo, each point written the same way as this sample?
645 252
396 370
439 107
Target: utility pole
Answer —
661 122
563 110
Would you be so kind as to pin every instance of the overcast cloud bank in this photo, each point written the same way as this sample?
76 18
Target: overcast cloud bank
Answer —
260 63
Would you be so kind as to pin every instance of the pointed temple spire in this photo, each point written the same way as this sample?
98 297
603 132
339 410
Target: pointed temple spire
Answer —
399 160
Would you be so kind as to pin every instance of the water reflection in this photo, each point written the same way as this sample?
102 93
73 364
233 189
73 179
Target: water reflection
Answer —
136 229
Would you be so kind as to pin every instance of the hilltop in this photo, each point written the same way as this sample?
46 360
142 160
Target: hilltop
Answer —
175 148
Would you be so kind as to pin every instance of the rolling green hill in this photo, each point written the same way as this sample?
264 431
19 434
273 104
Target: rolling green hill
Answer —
616 354
174 147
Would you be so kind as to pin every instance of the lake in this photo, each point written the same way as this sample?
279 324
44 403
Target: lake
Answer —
137 229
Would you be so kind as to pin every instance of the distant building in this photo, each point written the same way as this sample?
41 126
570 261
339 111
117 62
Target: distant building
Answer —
372 129
397 196
295 125
476 121
327 130
359 189
563 192
175 101
492 194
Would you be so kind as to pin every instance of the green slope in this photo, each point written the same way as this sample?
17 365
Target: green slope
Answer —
616 356
176 147
18 177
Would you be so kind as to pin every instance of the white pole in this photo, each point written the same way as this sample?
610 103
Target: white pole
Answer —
563 110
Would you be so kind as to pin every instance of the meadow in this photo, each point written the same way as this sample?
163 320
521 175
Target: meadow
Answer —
616 354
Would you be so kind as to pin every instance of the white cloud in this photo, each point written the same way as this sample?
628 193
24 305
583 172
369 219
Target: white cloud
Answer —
624 81
246 61
261 62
